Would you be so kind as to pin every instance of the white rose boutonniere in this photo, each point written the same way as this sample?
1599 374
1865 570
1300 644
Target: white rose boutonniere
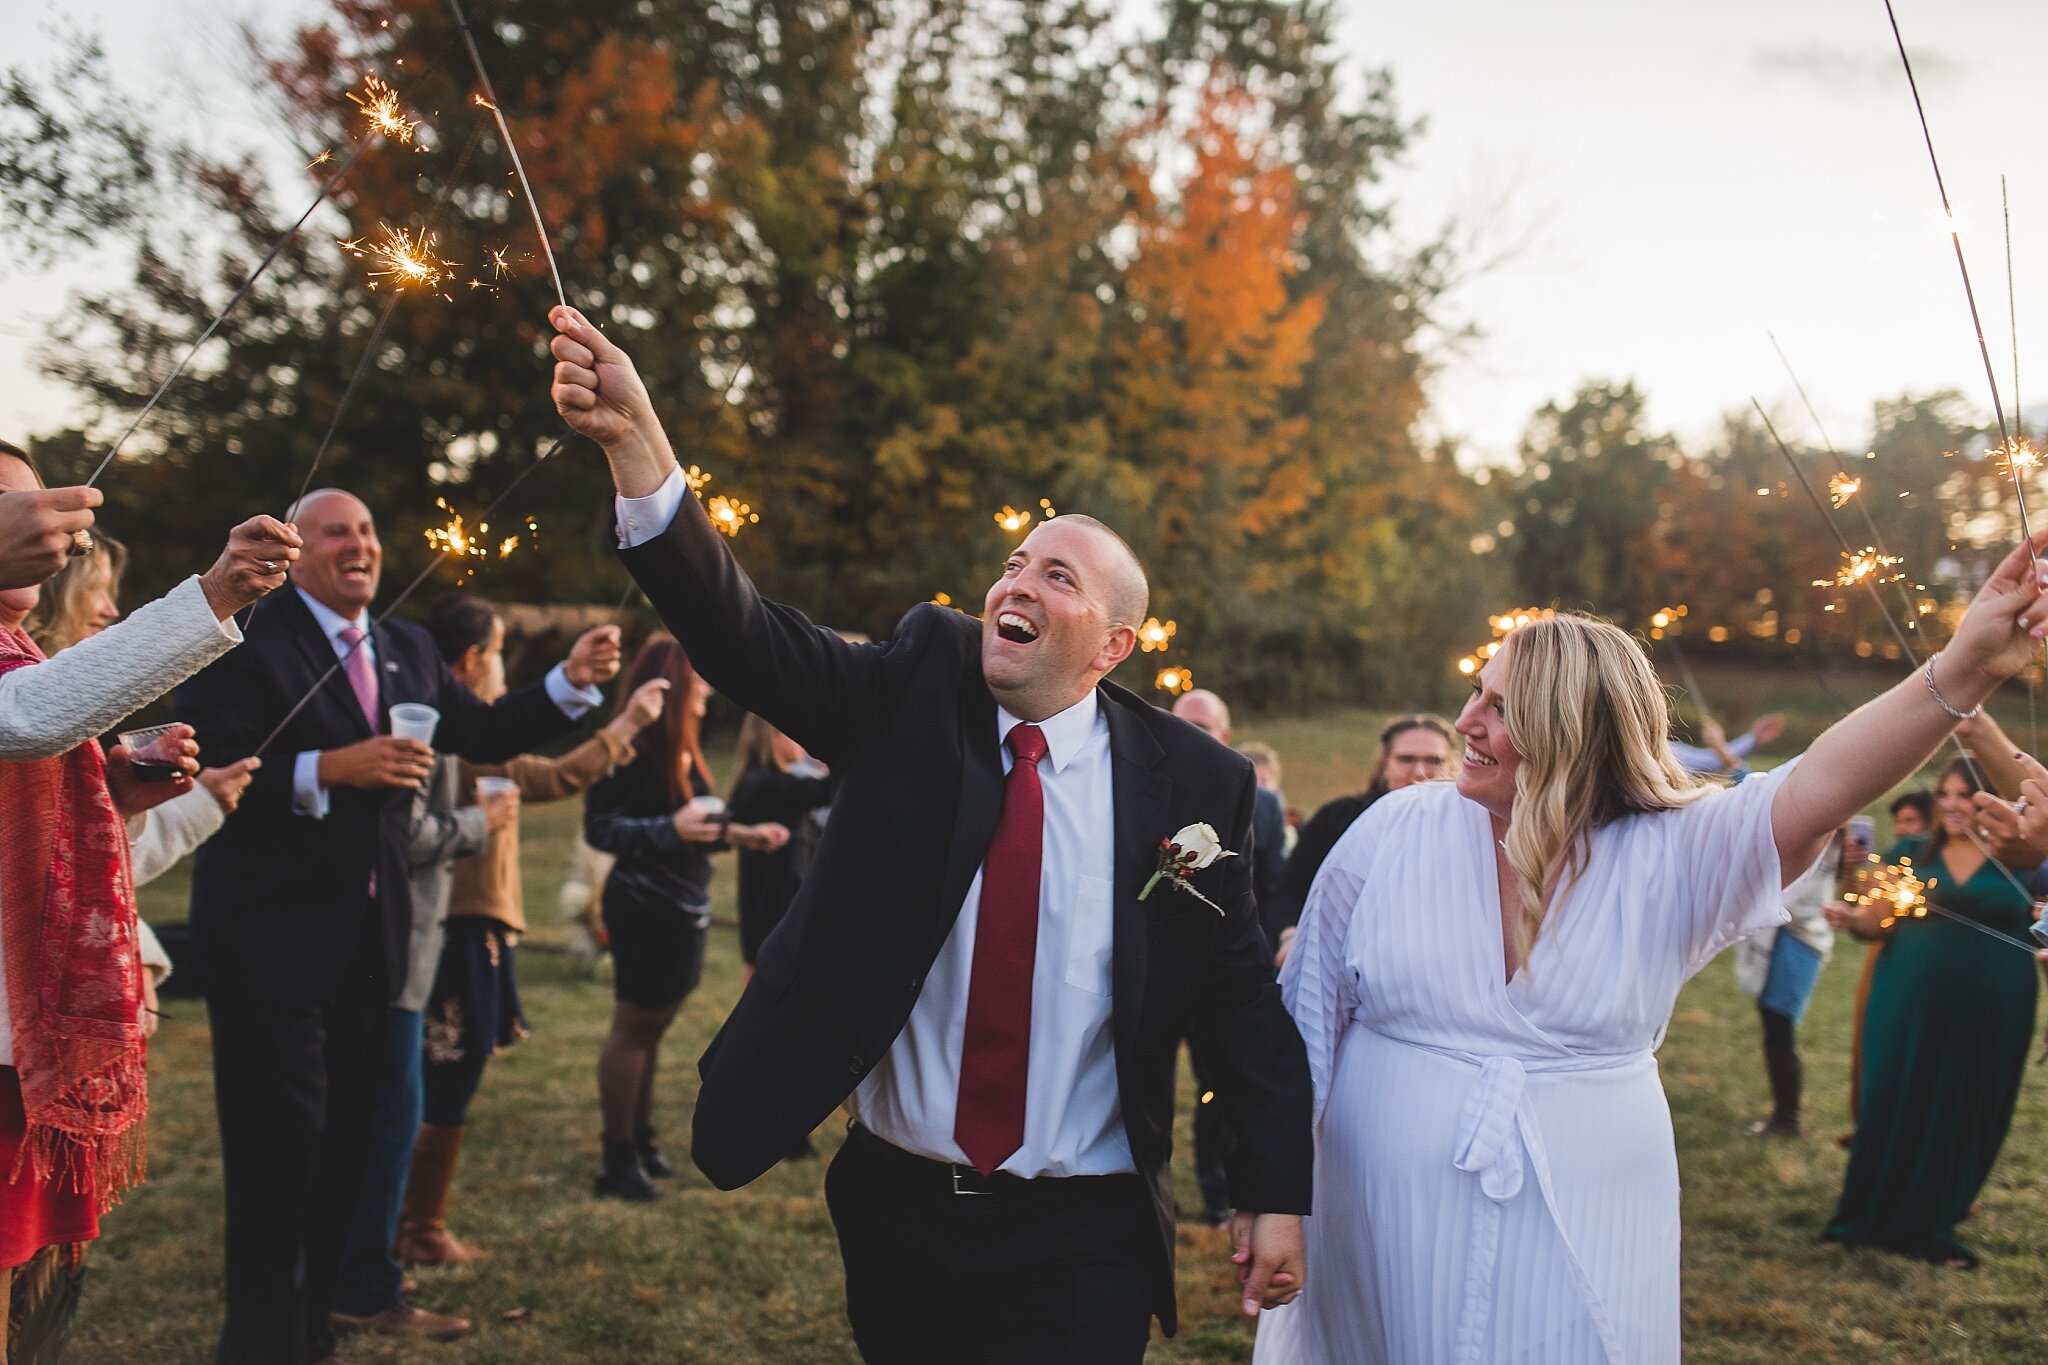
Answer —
1192 849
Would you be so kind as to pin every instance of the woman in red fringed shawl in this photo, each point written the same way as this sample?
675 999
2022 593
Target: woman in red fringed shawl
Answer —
73 1079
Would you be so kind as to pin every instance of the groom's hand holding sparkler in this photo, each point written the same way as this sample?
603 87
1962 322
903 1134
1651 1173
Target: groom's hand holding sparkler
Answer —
37 530
259 552
599 394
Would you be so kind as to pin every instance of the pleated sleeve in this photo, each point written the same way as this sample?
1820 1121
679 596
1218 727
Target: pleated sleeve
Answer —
1319 985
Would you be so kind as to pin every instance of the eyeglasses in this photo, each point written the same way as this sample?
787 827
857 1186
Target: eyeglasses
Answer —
1428 762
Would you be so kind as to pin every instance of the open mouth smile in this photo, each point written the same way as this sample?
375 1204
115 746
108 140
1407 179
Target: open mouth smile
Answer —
1014 628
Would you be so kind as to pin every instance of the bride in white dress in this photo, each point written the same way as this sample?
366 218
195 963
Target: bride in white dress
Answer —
1484 971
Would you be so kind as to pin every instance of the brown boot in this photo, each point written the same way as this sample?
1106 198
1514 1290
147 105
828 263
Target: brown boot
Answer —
423 1236
403 1321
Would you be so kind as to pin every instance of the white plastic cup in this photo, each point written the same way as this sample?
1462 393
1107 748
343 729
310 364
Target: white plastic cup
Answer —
414 720
495 786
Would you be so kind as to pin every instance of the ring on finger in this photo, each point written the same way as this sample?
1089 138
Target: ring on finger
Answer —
2020 806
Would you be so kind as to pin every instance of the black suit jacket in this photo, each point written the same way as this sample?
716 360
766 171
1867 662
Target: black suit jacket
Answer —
909 729
279 899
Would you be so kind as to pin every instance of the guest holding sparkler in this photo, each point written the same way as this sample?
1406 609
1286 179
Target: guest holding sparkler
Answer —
1945 1041
1413 748
54 705
474 1008
1912 814
72 1051
658 816
302 908
1484 969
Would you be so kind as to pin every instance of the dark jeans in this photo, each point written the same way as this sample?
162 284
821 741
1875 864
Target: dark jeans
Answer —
1037 1271
295 1086
370 1274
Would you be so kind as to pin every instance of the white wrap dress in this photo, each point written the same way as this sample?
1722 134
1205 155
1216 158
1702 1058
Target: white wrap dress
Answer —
1495 1174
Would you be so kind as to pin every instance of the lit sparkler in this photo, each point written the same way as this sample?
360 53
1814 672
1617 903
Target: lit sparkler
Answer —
1861 567
1011 520
405 259
1502 626
1175 680
455 539
1841 488
1897 887
1155 635
1667 619
729 514
2016 456
321 160
382 111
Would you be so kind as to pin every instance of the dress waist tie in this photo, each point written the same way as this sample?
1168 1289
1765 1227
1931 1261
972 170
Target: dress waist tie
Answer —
1495 1129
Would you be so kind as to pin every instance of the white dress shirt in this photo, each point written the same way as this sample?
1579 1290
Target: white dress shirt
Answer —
1073 1120
308 796
1073 1117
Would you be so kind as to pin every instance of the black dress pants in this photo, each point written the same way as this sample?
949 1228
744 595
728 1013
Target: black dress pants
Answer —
1036 1271
295 1086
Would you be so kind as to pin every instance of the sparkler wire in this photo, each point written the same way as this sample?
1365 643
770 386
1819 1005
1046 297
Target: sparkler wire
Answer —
1955 238
383 320
270 257
405 592
347 163
1911 654
2019 417
505 132
1842 465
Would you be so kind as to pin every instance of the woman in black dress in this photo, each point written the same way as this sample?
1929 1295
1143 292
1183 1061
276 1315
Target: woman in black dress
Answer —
778 784
658 817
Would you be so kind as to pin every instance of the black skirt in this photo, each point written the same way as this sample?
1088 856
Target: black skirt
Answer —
474 1008
657 947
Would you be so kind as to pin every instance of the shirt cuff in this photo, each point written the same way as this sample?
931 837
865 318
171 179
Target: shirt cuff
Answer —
642 519
308 796
573 700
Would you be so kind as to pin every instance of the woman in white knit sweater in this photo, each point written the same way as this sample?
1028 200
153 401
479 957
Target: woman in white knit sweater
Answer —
71 1067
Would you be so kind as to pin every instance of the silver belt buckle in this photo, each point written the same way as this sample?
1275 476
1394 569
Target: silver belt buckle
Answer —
957 1171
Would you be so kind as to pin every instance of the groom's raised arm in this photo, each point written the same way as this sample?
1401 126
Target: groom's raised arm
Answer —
803 679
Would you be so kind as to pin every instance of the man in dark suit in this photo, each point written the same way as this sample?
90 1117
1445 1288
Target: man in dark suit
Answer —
982 964
301 905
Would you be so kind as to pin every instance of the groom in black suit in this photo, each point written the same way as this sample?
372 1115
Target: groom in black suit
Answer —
974 966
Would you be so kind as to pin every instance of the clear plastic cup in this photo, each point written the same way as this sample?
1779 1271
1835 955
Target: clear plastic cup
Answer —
414 720
495 786
151 753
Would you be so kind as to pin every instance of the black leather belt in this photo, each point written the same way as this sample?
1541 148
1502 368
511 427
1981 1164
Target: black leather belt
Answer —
953 1177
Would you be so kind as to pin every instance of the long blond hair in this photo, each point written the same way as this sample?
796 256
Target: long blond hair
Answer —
1592 726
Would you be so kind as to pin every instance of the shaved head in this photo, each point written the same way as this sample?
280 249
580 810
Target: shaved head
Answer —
1127 595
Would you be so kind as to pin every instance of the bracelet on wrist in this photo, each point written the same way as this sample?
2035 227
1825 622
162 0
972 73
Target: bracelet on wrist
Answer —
1941 701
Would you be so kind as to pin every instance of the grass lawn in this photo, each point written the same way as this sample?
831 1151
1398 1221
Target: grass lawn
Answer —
754 1275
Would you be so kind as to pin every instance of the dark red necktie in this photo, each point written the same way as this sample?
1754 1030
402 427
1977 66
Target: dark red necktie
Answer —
995 1054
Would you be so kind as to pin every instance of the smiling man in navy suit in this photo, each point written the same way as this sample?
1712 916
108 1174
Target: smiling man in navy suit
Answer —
984 964
301 905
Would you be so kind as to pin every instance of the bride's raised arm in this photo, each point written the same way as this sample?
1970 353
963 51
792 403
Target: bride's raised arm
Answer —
1861 757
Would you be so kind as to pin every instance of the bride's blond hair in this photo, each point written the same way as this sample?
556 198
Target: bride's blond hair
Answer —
1591 722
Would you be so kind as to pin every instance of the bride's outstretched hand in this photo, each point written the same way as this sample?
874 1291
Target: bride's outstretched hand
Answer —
596 388
2008 618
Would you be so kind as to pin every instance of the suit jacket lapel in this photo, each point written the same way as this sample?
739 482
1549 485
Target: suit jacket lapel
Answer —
1140 796
981 799
319 655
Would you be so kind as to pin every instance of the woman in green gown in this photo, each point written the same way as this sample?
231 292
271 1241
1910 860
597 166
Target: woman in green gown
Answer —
1945 1040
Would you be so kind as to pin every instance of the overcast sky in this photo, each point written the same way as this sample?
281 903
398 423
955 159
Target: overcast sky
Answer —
1670 183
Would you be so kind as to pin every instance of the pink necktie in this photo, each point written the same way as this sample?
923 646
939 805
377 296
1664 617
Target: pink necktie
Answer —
995 1052
362 674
